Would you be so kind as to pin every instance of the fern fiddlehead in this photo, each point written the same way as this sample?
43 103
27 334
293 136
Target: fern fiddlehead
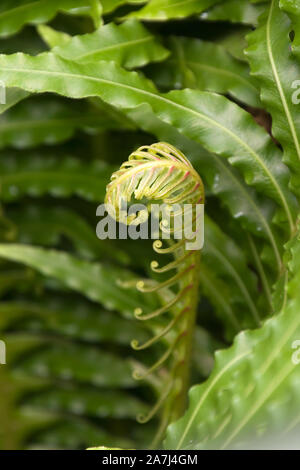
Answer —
161 173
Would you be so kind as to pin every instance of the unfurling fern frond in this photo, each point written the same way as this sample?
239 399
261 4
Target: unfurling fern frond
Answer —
161 174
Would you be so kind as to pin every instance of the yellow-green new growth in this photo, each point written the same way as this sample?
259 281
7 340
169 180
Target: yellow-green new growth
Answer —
161 173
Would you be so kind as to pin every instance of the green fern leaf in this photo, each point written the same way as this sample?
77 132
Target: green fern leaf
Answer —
111 5
95 281
199 115
205 66
235 11
87 402
235 41
12 97
35 175
222 256
291 7
13 17
167 9
128 44
274 65
73 319
40 225
49 121
74 362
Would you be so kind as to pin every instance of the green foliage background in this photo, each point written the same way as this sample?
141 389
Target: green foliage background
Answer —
86 83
